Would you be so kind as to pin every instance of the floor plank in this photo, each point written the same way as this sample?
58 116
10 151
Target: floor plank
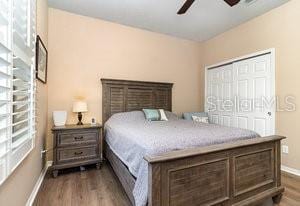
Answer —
101 188
74 187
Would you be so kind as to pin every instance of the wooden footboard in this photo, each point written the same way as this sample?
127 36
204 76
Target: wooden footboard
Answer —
239 173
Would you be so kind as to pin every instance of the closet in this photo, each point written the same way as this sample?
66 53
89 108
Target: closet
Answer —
241 93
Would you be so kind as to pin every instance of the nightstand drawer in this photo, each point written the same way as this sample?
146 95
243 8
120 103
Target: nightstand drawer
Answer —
74 154
65 139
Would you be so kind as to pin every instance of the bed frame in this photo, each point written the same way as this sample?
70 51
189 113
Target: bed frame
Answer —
240 173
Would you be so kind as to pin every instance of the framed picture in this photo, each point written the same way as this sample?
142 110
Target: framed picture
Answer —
41 60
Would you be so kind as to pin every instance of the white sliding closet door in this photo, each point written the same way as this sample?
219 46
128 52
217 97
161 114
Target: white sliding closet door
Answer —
241 94
220 92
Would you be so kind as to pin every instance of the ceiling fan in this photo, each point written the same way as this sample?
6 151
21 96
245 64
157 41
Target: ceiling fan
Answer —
189 3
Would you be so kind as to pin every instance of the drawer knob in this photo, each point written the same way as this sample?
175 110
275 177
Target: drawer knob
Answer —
78 153
78 138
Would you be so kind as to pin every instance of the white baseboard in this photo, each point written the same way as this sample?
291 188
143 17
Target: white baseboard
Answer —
290 170
38 184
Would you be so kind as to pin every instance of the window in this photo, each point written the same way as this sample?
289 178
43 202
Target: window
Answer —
17 82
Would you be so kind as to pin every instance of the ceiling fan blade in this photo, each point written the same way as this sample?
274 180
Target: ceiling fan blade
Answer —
185 6
232 2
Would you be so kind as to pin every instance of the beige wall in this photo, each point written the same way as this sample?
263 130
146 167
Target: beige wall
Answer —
17 188
277 29
83 50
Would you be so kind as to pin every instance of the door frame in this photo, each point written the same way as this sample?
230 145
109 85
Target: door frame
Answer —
270 51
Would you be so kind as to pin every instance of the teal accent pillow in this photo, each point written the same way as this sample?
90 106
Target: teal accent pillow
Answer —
188 115
152 114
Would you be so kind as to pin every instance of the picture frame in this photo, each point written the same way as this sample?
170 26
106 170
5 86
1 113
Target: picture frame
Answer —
41 60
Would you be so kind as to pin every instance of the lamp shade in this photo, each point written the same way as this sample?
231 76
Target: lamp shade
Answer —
80 106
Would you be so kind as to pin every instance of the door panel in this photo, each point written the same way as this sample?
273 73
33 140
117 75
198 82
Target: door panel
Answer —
242 89
260 125
220 90
242 122
226 120
215 118
260 66
243 68
246 85
259 87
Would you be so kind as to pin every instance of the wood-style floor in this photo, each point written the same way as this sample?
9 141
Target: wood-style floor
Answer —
291 196
101 188
91 187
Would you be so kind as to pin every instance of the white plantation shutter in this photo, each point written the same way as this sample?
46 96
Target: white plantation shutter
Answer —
5 86
17 82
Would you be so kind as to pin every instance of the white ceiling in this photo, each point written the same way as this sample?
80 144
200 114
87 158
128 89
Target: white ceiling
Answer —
204 20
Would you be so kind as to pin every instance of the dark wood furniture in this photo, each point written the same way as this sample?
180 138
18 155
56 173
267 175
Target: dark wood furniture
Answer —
240 173
76 145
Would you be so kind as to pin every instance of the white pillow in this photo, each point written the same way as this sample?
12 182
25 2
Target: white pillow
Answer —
163 116
200 119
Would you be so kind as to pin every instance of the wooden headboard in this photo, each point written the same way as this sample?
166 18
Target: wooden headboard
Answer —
124 96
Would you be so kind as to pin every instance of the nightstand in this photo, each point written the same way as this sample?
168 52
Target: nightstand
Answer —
76 145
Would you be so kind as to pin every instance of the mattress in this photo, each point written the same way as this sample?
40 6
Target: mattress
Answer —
131 137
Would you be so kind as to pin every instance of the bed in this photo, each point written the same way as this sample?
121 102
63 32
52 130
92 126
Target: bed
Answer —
241 172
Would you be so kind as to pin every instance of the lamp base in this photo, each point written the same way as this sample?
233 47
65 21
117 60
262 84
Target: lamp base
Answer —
79 123
79 118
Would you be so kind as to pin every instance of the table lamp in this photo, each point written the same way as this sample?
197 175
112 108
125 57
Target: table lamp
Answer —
79 107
